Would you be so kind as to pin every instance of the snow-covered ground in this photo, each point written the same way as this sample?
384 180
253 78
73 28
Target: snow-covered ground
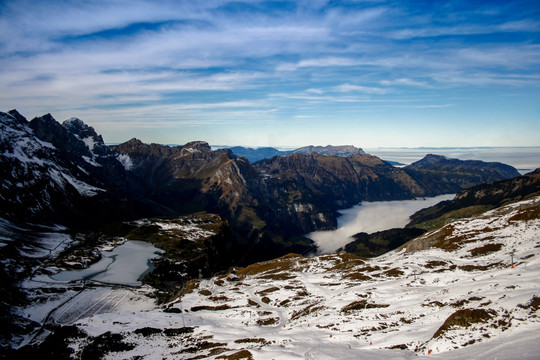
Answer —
123 265
451 294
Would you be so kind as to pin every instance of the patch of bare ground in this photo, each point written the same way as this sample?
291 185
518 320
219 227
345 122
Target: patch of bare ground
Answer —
395 272
253 303
435 263
481 267
526 213
357 276
260 341
439 238
279 265
486 249
434 303
348 264
190 286
268 321
465 318
210 308
278 276
462 302
533 304
267 291
205 292
242 354
361 305
203 346
306 311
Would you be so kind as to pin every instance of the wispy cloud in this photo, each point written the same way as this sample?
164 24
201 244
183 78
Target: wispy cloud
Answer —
224 61
359 88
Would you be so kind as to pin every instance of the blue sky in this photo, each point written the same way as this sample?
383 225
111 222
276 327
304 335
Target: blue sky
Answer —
279 73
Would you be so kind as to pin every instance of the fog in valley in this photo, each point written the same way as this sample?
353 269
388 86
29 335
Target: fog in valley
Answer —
370 217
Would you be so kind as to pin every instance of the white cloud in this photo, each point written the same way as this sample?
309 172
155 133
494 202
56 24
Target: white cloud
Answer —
359 88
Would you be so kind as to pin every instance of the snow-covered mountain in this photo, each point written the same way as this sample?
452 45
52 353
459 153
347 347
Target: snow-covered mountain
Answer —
58 174
468 290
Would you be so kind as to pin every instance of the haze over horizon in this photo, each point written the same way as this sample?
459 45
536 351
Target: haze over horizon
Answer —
277 73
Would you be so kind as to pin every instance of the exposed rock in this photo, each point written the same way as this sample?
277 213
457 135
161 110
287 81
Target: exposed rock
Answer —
341 150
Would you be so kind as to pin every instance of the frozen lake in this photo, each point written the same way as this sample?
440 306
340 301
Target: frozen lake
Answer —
126 264
370 217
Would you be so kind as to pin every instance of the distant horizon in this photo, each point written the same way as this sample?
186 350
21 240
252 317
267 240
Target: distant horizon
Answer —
390 73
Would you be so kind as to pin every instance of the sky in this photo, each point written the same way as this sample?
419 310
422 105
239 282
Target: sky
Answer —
279 73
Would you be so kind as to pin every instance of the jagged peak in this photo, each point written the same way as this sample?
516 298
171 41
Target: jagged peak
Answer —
74 121
17 116
83 131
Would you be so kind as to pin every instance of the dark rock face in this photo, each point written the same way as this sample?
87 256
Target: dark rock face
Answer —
438 174
311 188
52 175
193 178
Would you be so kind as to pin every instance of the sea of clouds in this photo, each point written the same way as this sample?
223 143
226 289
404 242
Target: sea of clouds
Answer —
370 217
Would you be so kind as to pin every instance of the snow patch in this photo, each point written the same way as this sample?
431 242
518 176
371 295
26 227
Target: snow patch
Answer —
125 160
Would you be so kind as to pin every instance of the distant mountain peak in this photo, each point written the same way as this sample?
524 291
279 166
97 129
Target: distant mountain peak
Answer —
198 145
340 150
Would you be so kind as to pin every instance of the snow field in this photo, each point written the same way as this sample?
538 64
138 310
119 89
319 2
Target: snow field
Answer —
453 298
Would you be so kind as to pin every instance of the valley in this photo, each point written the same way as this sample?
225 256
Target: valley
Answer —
151 251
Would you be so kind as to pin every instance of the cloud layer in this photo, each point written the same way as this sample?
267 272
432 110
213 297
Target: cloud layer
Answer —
352 71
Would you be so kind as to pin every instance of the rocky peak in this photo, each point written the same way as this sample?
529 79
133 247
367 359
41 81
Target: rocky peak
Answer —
198 145
46 128
18 117
341 150
77 127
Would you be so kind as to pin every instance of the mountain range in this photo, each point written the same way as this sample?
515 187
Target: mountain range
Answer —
256 154
65 193
64 174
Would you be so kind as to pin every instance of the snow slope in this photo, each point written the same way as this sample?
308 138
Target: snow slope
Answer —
450 294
